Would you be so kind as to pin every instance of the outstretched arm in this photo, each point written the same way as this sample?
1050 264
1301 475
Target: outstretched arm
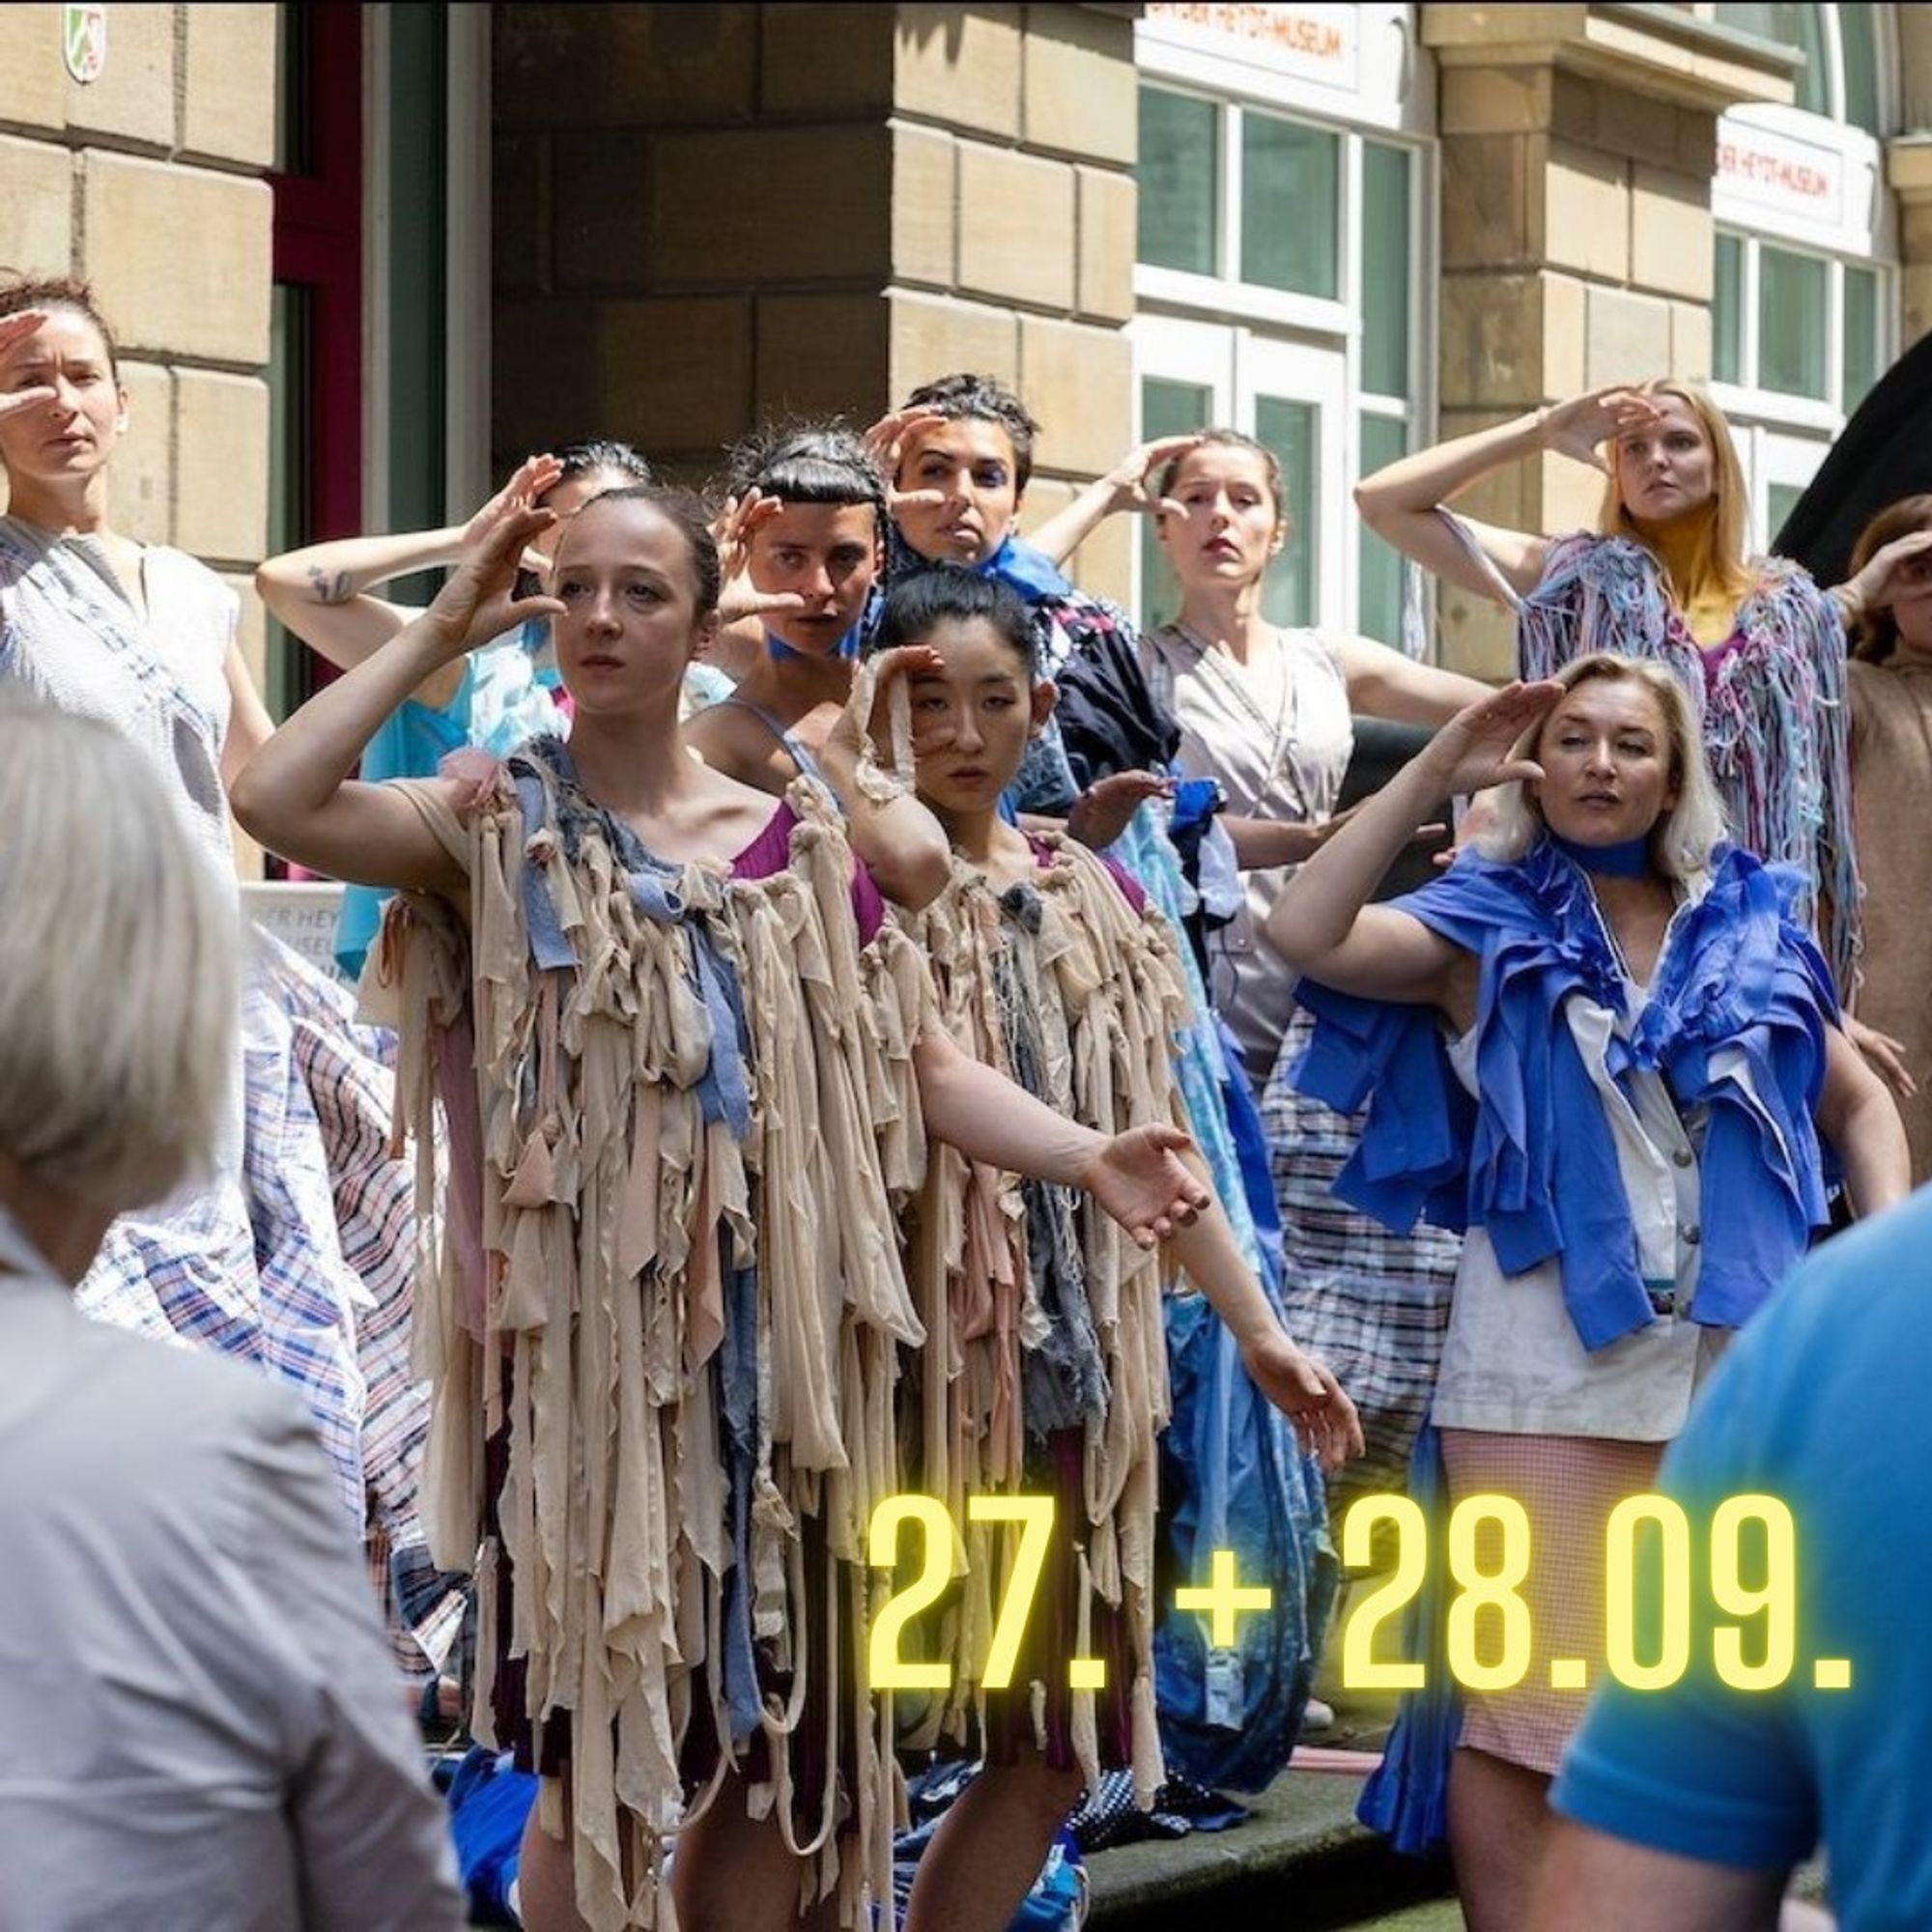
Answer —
1151 1180
1128 486
295 795
1304 1389
1398 503
321 592
1383 683
1322 922
1138 1177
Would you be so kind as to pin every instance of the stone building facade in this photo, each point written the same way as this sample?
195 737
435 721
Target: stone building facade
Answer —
362 256
149 181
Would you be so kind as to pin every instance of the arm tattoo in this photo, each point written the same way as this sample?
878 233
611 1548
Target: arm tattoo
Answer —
330 586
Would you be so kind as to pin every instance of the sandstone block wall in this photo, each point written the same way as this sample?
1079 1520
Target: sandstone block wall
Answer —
707 215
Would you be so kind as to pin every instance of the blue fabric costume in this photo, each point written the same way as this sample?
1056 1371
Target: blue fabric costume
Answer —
1735 1023
1534 1164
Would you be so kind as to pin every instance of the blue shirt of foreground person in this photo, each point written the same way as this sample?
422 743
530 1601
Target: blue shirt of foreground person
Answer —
1686 1809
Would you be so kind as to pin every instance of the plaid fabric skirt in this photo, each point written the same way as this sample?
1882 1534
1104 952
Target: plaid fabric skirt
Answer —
1373 1305
304 1263
1567 1485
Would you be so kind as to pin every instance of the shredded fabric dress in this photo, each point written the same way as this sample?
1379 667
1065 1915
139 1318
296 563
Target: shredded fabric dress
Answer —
1770 701
666 1281
1045 1367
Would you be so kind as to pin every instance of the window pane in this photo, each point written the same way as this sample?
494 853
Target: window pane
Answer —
1287 594
1780 500
1860 360
1379 606
1290 197
1857 50
1384 268
1179 174
1790 322
1727 312
1792 26
1167 409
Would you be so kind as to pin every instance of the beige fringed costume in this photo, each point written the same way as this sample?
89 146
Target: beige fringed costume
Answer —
683 1324
1045 1366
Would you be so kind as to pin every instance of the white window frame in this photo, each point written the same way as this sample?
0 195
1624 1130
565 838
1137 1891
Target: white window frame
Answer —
1777 433
1218 331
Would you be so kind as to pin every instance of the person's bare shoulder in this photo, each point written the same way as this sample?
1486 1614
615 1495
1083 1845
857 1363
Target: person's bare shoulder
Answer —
735 743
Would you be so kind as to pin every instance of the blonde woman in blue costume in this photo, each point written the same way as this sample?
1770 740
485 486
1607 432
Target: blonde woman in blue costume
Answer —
1605 1043
702 1071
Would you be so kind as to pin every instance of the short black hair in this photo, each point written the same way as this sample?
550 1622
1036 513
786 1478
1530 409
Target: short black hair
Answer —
982 400
941 593
808 463
593 455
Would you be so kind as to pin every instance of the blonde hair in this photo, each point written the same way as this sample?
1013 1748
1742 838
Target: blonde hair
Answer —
1716 561
1681 840
119 975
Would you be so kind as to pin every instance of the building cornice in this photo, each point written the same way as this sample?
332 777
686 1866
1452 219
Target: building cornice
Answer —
1657 50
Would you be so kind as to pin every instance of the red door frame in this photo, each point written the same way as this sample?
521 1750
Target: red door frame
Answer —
318 244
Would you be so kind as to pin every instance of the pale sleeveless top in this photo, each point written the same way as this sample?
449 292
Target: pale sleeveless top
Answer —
68 633
1280 747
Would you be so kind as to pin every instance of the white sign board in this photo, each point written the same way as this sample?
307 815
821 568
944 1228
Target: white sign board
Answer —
1775 173
1311 43
300 915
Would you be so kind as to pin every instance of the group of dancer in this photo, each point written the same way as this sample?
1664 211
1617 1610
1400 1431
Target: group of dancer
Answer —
844 1049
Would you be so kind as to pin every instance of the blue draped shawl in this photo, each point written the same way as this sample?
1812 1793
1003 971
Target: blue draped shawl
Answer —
1533 1161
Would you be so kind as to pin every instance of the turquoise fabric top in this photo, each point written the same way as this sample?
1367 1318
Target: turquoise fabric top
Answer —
505 696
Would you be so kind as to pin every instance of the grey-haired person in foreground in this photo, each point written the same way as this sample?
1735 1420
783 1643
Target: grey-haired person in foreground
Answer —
202 1726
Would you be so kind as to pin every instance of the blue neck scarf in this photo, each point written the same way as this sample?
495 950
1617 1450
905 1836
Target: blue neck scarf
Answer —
1029 571
847 647
1628 859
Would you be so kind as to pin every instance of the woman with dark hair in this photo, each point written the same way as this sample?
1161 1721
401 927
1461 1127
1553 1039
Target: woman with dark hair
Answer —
1045 1371
1887 604
493 700
804 534
688 1068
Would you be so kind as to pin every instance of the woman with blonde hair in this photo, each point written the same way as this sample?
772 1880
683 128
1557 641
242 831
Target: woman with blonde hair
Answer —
208 1727
1753 640
1604 1043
